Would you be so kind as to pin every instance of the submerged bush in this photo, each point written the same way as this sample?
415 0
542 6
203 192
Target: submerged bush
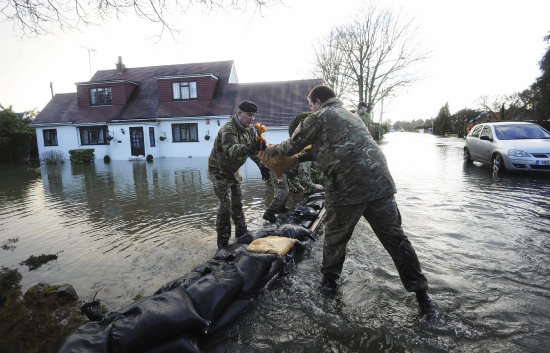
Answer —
82 155
53 157
149 157
107 159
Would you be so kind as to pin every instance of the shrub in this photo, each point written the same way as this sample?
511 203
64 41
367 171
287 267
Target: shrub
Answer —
107 159
53 157
82 155
149 157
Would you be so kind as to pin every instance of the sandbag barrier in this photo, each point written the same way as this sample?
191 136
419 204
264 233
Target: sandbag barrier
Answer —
190 309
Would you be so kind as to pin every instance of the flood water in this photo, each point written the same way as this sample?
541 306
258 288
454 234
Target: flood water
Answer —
126 228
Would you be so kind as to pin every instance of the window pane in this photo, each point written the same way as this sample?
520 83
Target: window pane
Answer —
193 90
176 90
50 137
185 90
194 133
185 132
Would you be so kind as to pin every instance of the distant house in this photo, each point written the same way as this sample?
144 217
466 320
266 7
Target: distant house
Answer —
164 111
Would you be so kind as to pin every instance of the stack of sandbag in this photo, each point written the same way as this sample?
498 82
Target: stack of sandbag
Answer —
204 300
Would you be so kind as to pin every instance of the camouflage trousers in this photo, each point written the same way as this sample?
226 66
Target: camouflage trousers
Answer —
280 193
230 207
385 220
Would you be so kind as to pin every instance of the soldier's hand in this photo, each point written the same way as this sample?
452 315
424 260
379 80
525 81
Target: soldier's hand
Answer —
319 187
257 145
266 175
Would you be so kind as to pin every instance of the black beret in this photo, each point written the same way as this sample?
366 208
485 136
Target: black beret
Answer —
362 104
248 106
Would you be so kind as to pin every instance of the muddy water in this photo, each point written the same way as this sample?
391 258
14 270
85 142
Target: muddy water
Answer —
125 228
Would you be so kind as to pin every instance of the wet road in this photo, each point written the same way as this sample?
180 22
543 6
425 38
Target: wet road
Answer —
126 228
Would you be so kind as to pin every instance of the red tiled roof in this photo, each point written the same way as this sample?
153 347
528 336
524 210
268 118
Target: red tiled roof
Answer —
278 102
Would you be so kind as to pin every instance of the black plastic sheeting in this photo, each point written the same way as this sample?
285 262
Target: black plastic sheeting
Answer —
195 306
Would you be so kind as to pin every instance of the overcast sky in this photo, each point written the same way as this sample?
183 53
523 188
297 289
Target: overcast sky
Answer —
478 47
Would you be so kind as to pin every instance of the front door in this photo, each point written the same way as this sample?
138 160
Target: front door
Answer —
136 141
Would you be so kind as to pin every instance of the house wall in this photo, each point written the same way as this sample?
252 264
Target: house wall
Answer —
121 92
206 85
120 149
276 134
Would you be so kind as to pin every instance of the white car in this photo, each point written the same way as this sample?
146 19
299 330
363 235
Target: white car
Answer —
517 146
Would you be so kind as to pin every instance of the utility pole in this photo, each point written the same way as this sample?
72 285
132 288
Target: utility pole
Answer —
89 58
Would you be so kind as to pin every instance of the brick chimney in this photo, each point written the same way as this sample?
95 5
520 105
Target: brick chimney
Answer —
119 65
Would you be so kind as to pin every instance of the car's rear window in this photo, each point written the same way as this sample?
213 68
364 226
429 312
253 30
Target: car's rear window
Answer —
520 132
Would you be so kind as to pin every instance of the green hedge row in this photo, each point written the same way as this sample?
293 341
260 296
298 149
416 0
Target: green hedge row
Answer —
81 156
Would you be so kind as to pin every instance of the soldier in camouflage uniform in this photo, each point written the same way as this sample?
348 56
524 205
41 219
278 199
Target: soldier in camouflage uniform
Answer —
359 184
300 176
362 113
236 141
280 194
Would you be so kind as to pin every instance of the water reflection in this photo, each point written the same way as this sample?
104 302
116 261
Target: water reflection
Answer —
127 228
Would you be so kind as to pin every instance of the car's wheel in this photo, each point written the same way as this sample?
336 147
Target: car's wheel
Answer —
498 164
467 157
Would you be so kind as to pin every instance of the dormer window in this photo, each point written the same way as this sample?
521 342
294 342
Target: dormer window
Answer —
184 91
101 96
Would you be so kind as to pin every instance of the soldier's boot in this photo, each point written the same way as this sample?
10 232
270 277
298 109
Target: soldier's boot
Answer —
283 209
240 231
223 241
427 307
328 284
269 216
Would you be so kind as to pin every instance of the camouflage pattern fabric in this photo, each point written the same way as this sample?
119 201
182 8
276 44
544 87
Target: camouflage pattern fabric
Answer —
230 151
280 192
355 167
300 178
358 184
230 207
385 220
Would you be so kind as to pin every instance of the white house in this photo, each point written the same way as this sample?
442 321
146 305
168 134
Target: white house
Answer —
163 111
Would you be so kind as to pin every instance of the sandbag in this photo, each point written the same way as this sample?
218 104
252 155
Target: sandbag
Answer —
214 292
230 314
252 267
278 163
317 204
305 212
295 231
316 196
271 244
184 344
92 336
154 320
184 281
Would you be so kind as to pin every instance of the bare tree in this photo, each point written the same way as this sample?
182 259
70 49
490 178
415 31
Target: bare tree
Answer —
503 107
373 55
331 65
36 17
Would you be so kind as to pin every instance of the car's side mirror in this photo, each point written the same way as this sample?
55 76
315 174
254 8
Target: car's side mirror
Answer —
486 138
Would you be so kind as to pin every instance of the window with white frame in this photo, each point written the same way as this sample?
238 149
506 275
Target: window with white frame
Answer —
185 132
184 91
101 96
50 137
93 135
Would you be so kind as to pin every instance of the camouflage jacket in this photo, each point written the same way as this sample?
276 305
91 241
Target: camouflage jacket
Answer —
231 149
365 118
355 166
299 178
